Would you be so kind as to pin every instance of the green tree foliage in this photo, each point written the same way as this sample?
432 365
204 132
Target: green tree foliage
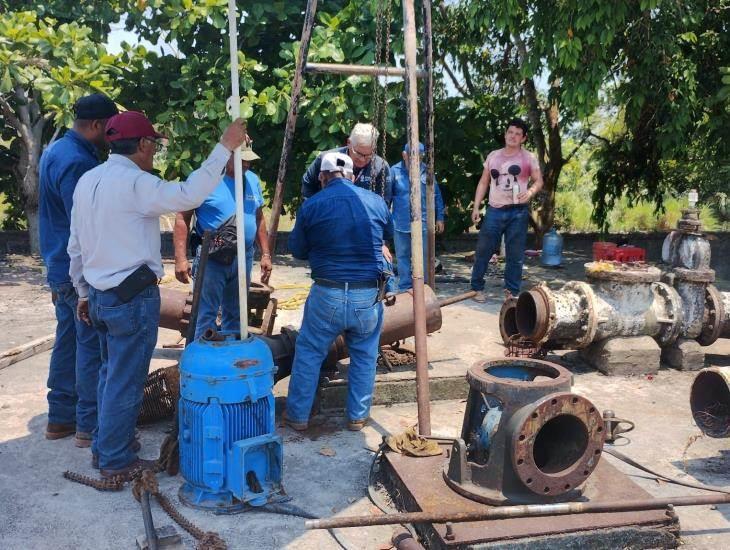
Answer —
45 66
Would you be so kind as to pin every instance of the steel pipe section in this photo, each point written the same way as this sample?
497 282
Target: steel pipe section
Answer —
616 303
710 401
525 438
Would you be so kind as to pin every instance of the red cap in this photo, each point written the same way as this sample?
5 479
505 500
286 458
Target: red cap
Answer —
130 125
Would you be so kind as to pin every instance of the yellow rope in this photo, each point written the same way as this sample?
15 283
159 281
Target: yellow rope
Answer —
296 300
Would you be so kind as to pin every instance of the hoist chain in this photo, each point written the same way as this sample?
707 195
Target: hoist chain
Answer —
379 100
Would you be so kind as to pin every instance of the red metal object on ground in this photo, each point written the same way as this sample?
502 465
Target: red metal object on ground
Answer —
603 251
629 254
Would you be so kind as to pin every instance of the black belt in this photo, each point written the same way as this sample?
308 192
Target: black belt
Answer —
338 284
510 206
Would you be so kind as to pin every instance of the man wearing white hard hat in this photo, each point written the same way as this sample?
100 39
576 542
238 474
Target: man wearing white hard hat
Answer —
340 231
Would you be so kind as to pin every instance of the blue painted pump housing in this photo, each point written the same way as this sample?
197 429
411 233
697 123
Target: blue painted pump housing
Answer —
230 456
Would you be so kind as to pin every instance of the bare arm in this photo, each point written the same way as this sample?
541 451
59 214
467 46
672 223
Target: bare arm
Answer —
180 244
262 238
481 192
537 181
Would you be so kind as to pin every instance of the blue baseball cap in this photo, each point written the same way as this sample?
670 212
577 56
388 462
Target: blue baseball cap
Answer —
421 148
95 107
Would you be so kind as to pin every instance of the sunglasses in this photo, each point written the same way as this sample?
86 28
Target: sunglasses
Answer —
513 170
159 144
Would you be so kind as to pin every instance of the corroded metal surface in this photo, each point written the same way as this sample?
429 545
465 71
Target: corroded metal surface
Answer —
416 485
622 272
710 401
525 437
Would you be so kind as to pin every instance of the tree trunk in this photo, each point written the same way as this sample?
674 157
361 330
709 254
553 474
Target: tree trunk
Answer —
31 214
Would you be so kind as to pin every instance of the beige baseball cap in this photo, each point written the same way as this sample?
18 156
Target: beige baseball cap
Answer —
247 153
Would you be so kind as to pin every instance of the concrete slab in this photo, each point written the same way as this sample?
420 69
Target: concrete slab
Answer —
39 509
635 356
684 355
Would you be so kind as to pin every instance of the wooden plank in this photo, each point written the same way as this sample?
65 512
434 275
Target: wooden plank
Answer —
26 350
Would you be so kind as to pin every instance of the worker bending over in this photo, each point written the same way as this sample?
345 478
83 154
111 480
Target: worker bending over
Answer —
115 266
340 230
219 290
370 171
401 186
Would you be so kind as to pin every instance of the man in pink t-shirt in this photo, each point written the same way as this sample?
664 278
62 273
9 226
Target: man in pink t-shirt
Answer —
507 175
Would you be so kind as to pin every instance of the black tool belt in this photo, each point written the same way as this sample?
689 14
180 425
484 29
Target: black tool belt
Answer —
338 284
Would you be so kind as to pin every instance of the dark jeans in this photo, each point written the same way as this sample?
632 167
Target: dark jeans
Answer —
512 223
73 373
128 334
403 253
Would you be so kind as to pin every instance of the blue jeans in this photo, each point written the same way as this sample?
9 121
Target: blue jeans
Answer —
128 334
328 313
220 291
75 361
403 253
512 223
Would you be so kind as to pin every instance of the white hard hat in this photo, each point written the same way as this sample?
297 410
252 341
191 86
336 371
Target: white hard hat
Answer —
336 162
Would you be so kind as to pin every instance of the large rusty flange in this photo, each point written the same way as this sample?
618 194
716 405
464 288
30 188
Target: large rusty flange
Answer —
544 313
557 443
507 321
713 317
672 324
537 378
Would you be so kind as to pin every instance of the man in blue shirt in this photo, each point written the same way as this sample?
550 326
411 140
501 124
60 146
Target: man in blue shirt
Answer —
220 285
340 230
74 369
370 171
401 185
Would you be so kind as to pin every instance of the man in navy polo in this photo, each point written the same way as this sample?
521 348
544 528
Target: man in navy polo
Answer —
340 230
401 185
74 370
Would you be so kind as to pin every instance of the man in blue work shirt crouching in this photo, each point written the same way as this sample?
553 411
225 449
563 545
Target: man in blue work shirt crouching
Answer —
340 230
220 285
401 185
73 373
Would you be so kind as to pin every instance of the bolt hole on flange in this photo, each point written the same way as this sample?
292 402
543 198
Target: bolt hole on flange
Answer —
559 444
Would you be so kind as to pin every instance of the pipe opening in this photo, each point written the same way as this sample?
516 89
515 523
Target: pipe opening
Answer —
559 444
710 403
531 317
522 371
509 322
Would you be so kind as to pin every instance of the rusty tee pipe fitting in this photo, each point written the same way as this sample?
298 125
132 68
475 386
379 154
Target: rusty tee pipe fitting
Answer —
525 437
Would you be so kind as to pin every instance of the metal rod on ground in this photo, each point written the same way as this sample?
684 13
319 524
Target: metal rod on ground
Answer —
291 123
366 70
238 173
414 170
149 526
198 286
458 298
528 510
430 152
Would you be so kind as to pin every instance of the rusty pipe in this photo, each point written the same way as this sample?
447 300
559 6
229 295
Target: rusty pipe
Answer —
175 307
710 401
614 303
403 540
527 510
456 299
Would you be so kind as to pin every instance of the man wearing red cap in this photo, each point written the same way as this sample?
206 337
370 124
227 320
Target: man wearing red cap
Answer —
115 266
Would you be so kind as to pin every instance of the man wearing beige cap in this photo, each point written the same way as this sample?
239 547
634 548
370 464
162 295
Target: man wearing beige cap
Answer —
219 289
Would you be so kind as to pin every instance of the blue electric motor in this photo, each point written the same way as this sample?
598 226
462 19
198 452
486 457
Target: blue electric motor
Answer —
230 456
552 249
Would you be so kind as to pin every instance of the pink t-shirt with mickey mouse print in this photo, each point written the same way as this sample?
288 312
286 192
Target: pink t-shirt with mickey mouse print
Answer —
506 171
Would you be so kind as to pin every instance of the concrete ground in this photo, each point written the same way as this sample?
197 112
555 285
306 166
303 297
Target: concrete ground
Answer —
325 469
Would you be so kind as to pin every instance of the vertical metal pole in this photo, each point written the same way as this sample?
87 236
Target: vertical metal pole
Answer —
238 173
291 122
414 170
198 286
430 178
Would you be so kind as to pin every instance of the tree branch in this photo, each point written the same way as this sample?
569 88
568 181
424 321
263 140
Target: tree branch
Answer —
452 76
575 150
603 139
9 114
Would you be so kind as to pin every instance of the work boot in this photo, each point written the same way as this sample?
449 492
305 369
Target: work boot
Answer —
59 431
480 297
356 425
82 440
508 295
131 470
136 446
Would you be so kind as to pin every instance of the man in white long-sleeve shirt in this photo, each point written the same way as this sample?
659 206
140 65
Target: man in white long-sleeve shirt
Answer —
115 264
